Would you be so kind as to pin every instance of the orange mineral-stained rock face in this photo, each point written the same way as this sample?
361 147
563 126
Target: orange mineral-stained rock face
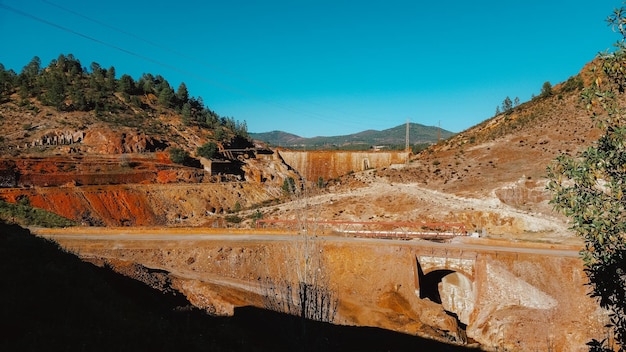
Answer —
166 176
174 204
138 189
99 207
104 142
66 204
126 207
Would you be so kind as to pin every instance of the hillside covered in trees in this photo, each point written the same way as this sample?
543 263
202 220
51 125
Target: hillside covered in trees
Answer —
117 151
95 94
420 137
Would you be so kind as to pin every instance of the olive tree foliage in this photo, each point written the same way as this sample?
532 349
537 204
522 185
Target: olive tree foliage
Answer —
590 188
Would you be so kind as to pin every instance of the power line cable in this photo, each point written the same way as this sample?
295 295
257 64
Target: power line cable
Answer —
163 64
203 63
113 46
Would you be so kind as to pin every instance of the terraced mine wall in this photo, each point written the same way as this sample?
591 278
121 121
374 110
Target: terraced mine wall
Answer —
138 190
505 298
143 205
331 164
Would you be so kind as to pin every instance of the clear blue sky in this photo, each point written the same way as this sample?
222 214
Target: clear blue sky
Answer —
318 67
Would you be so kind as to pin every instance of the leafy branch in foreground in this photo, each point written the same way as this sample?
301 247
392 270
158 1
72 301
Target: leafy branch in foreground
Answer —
590 189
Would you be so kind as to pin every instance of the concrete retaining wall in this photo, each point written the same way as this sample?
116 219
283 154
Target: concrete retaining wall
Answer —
331 164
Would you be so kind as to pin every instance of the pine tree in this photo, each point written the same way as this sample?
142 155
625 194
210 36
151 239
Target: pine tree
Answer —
7 81
126 84
546 90
186 113
182 94
111 83
507 105
166 97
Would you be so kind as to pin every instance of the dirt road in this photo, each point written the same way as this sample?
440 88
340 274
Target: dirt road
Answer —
147 238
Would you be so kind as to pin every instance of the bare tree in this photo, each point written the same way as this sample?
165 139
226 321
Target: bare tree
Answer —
304 290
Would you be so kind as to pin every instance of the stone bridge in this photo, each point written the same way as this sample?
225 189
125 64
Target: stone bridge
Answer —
500 295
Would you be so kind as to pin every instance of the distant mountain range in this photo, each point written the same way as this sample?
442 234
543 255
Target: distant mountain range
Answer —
391 138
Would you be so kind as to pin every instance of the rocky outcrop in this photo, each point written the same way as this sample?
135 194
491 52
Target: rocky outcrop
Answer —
102 141
523 192
268 171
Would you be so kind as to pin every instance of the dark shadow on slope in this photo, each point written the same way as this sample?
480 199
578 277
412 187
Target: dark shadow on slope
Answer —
53 301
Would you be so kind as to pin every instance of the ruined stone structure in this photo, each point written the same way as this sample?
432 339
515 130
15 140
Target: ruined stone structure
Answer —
57 138
529 298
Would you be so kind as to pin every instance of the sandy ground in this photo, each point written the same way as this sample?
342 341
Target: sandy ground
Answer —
372 198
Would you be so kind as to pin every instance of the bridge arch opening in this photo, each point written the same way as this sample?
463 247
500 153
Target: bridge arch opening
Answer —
452 289
429 284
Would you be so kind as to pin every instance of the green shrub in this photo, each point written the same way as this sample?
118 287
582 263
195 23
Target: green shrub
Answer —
178 155
233 219
257 215
546 89
289 186
22 213
208 150
573 83
320 182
